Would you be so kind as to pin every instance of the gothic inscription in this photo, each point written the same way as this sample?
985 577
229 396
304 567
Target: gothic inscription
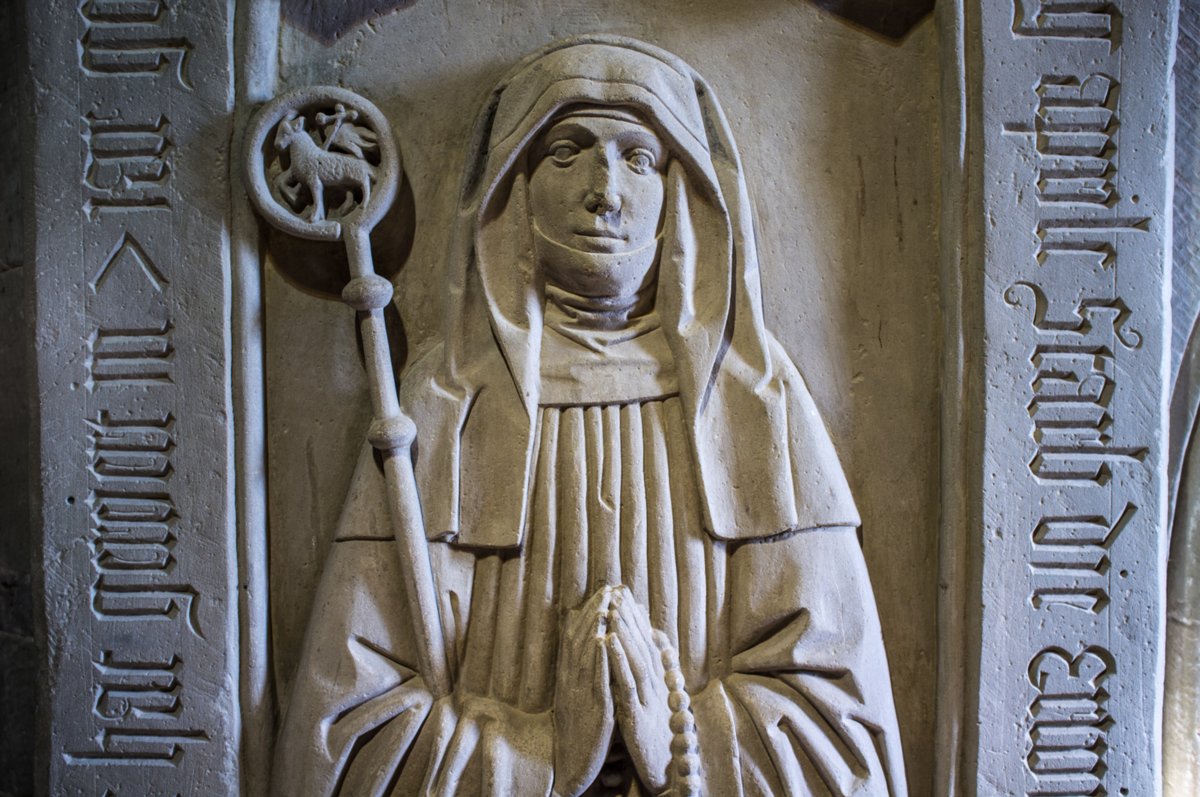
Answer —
131 38
1076 105
139 704
132 232
1075 427
128 254
1067 19
135 523
130 357
1072 384
1070 560
1068 734
127 164
1074 125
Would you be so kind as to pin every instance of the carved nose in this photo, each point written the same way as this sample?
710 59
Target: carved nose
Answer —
602 202
602 198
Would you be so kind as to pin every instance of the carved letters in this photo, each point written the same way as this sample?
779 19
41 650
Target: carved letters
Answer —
139 703
1073 423
1083 242
133 537
1073 131
125 38
130 357
1075 197
1069 722
134 532
127 164
1067 19
1074 126
1070 560
142 547
145 690
128 254
134 522
1072 382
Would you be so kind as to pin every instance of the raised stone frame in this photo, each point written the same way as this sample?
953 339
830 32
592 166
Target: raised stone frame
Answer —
1057 363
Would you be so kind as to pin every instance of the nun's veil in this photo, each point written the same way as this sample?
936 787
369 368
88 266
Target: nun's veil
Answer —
764 462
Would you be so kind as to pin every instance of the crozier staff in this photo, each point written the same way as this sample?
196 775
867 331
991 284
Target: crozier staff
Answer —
641 535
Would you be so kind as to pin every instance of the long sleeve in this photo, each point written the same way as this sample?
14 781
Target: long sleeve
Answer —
360 719
358 702
806 706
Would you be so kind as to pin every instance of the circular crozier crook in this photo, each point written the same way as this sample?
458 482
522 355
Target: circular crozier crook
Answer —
319 159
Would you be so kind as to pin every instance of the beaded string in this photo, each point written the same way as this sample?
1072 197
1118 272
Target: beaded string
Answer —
685 746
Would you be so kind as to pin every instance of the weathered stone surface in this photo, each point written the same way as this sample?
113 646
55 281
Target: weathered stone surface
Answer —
130 210
625 551
1181 715
1185 271
1181 708
1076 178
838 133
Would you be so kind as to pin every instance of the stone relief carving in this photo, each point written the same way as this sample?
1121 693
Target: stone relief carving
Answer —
620 555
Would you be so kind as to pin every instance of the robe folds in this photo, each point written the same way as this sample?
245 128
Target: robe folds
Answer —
778 639
681 456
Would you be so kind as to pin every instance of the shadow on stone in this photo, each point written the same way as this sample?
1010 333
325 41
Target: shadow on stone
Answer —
326 20
892 19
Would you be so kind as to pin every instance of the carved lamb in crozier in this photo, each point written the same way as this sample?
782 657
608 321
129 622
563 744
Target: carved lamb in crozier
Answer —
626 557
316 168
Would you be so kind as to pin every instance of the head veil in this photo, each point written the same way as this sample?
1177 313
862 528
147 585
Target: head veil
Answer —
764 462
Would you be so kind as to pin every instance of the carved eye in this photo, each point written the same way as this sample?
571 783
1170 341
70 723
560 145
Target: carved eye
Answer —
562 152
641 161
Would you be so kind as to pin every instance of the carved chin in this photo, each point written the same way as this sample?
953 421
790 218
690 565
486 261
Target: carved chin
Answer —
596 274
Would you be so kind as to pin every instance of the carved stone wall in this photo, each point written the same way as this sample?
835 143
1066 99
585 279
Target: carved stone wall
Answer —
131 110
838 131
1181 739
966 233
1076 155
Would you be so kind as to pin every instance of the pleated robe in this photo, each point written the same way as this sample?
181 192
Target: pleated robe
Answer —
778 639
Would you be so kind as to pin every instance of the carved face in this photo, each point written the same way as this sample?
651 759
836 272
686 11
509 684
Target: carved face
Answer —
597 182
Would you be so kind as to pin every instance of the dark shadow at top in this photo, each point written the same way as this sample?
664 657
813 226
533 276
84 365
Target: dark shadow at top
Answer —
892 19
326 20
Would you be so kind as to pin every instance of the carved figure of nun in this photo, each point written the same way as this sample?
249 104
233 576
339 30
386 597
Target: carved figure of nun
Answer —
644 544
